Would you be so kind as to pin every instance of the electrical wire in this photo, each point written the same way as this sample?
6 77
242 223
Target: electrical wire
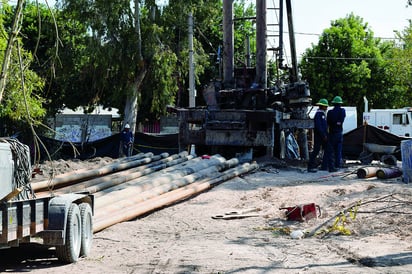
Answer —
21 168
355 58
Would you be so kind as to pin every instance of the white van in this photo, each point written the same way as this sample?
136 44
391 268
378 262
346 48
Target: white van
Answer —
396 121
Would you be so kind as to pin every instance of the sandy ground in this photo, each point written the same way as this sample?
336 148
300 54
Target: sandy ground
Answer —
184 238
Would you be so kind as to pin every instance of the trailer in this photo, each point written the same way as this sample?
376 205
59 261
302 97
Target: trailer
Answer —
65 222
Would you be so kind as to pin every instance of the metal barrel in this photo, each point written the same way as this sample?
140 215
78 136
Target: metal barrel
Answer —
387 173
366 172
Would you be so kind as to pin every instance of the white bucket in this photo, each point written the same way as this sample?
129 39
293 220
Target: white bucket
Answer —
406 152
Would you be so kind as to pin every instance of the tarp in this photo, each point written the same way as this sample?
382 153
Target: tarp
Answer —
156 143
106 147
353 141
109 146
159 143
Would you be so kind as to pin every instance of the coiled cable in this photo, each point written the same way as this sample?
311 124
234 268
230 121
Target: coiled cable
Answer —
21 169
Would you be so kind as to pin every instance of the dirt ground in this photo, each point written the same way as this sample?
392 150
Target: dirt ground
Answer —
184 238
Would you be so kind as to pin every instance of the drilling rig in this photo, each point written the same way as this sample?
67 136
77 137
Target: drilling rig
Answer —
245 115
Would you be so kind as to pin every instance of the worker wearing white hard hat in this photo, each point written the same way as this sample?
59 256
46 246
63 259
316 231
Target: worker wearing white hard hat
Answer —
127 140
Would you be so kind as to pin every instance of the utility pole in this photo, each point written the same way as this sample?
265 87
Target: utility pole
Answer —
228 44
192 91
261 70
247 46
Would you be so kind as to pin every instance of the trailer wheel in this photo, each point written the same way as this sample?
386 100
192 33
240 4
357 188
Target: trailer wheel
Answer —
69 252
87 229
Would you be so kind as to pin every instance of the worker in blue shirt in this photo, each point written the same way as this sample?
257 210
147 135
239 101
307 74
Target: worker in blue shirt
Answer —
320 135
127 140
335 118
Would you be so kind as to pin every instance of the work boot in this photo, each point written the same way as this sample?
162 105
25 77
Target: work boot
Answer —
312 170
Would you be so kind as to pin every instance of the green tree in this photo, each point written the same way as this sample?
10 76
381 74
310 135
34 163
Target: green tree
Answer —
347 61
57 45
110 62
173 22
88 51
244 28
398 71
112 69
22 99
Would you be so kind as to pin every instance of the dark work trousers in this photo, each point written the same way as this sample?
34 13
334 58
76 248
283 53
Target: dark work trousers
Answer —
334 150
318 143
127 149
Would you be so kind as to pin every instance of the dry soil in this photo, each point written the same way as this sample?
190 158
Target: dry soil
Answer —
184 238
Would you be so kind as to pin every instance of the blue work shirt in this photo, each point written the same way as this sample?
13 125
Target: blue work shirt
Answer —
126 137
321 126
335 119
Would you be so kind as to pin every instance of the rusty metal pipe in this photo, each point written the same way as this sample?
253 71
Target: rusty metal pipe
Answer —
119 179
148 174
69 185
162 176
134 187
171 197
83 174
101 183
137 194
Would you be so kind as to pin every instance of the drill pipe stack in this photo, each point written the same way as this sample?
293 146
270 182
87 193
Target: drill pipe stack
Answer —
133 186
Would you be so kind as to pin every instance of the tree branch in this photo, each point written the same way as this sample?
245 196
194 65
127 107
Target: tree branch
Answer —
7 55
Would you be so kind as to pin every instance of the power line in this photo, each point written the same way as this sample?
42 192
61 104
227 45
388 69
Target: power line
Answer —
317 34
354 58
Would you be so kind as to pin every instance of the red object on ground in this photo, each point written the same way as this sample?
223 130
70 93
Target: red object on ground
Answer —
302 212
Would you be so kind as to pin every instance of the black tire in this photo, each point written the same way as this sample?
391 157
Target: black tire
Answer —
86 215
69 252
389 160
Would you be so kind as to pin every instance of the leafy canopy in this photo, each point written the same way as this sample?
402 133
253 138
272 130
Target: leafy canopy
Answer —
348 61
22 100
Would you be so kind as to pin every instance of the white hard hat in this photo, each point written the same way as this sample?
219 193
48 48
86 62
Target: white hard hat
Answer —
127 126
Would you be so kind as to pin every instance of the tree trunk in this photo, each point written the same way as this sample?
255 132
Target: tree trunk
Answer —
131 106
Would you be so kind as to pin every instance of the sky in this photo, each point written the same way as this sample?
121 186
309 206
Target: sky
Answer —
311 17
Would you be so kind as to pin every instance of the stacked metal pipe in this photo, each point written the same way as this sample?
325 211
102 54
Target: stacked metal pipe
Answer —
132 186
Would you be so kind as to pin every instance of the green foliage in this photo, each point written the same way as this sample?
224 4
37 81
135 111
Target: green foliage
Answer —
104 64
173 21
22 101
244 27
397 70
164 89
342 62
348 61
57 45
100 61
87 50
